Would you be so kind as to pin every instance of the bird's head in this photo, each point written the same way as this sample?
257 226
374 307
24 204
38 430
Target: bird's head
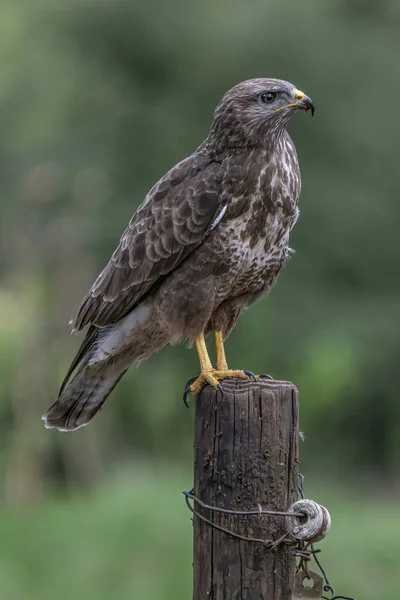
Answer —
257 111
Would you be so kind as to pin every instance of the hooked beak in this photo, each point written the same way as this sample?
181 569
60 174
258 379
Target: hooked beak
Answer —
303 102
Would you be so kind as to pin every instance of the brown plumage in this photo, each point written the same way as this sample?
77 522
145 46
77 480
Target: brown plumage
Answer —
208 240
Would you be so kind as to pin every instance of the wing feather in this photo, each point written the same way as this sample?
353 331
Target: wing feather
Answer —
174 219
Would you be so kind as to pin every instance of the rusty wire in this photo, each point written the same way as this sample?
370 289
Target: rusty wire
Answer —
304 551
270 544
260 511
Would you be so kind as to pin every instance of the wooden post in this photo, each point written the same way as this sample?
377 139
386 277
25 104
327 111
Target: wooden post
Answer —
246 453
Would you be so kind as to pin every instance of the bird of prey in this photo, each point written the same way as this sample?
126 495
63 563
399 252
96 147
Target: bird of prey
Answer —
208 240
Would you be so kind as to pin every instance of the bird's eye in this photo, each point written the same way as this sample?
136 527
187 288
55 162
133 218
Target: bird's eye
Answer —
268 97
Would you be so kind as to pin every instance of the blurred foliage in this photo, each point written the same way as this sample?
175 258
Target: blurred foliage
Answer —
98 99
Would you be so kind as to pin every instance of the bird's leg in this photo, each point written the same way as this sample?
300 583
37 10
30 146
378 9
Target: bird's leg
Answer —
206 368
207 373
205 361
222 371
222 365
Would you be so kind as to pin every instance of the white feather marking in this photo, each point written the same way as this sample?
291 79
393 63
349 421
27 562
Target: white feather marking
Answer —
217 220
115 336
62 429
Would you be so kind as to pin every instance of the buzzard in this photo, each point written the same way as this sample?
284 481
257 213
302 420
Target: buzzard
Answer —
208 240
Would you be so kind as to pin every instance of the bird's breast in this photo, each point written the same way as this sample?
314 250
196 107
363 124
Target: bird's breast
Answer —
279 182
255 235
253 254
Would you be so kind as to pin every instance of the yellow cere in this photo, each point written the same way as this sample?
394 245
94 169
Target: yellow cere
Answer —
298 96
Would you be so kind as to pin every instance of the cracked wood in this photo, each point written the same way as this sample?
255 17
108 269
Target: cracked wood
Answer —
246 453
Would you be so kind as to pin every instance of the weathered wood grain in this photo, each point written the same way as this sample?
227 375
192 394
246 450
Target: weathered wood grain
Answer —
246 453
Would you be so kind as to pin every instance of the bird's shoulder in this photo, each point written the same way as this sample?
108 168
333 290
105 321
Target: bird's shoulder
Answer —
188 175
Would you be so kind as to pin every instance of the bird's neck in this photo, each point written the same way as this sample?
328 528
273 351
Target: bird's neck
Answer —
227 144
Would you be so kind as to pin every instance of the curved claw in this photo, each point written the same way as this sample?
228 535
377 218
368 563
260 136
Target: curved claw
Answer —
185 397
265 376
187 391
250 374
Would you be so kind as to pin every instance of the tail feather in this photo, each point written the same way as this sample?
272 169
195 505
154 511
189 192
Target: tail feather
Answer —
102 359
83 397
83 355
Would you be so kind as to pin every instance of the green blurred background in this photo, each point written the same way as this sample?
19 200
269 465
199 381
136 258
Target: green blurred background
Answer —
97 100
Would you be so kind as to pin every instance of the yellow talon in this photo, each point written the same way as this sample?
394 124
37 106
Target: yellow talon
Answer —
207 373
202 380
214 377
